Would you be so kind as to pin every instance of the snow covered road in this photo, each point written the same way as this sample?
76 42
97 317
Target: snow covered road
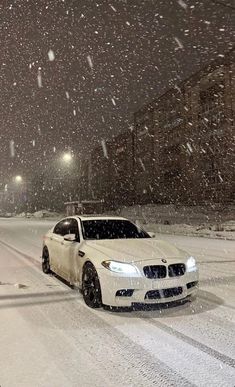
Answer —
48 337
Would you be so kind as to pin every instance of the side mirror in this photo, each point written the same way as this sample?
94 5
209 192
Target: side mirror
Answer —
151 234
70 237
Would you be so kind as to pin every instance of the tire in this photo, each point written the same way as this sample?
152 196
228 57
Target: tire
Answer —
91 287
46 261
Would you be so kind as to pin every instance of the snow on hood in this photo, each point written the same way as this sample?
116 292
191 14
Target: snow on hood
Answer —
134 250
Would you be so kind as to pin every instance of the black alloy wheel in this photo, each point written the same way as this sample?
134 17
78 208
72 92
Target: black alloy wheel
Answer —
91 286
46 261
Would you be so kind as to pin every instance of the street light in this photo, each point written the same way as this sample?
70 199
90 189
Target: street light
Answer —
18 179
67 157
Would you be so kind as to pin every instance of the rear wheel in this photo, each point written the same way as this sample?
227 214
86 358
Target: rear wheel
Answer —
91 287
46 261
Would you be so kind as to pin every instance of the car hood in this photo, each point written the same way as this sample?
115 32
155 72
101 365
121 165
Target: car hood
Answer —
135 250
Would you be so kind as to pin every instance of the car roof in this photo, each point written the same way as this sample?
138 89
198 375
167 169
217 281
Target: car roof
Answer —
99 217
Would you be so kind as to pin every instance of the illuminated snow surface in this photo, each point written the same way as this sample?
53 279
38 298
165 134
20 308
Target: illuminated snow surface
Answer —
50 338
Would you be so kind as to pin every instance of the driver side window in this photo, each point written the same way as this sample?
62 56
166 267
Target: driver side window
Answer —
67 226
62 228
73 228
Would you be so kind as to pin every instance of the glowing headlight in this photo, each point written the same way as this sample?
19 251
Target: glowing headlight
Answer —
191 264
119 267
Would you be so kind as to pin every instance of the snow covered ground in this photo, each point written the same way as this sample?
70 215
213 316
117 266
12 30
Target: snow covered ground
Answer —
48 337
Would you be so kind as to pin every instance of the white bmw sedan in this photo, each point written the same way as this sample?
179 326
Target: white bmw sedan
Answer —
116 263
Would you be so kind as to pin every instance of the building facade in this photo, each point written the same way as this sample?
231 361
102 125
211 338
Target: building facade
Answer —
181 149
184 140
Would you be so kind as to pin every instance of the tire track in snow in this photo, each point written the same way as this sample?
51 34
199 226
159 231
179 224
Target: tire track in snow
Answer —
34 261
194 343
210 301
125 355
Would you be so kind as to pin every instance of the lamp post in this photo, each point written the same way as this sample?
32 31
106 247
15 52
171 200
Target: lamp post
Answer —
70 175
14 191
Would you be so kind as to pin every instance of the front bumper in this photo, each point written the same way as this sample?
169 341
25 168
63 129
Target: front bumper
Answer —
145 290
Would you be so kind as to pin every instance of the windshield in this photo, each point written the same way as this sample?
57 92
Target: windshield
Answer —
111 229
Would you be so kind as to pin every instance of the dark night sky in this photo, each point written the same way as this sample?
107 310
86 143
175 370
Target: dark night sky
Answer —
111 57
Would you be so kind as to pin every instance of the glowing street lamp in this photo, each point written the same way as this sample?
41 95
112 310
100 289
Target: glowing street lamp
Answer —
67 157
18 179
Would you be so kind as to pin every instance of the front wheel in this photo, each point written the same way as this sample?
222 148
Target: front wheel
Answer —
46 261
91 287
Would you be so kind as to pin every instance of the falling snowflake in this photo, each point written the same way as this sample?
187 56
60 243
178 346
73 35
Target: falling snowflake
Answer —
220 177
189 147
104 147
180 45
182 4
39 78
142 164
89 60
113 101
113 8
12 148
51 55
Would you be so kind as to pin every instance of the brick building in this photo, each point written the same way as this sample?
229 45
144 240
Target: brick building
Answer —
184 140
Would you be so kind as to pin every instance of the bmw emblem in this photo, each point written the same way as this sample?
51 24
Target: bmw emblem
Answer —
164 260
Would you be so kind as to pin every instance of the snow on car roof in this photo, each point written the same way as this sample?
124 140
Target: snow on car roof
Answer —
99 217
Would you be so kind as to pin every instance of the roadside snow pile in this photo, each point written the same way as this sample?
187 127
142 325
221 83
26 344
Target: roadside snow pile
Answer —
21 215
229 226
189 230
24 215
215 222
40 214
45 214
178 214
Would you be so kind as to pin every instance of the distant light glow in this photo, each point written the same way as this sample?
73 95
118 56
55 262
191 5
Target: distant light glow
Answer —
18 179
67 157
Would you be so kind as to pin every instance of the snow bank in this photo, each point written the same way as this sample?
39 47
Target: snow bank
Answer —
215 222
173 214
45 214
